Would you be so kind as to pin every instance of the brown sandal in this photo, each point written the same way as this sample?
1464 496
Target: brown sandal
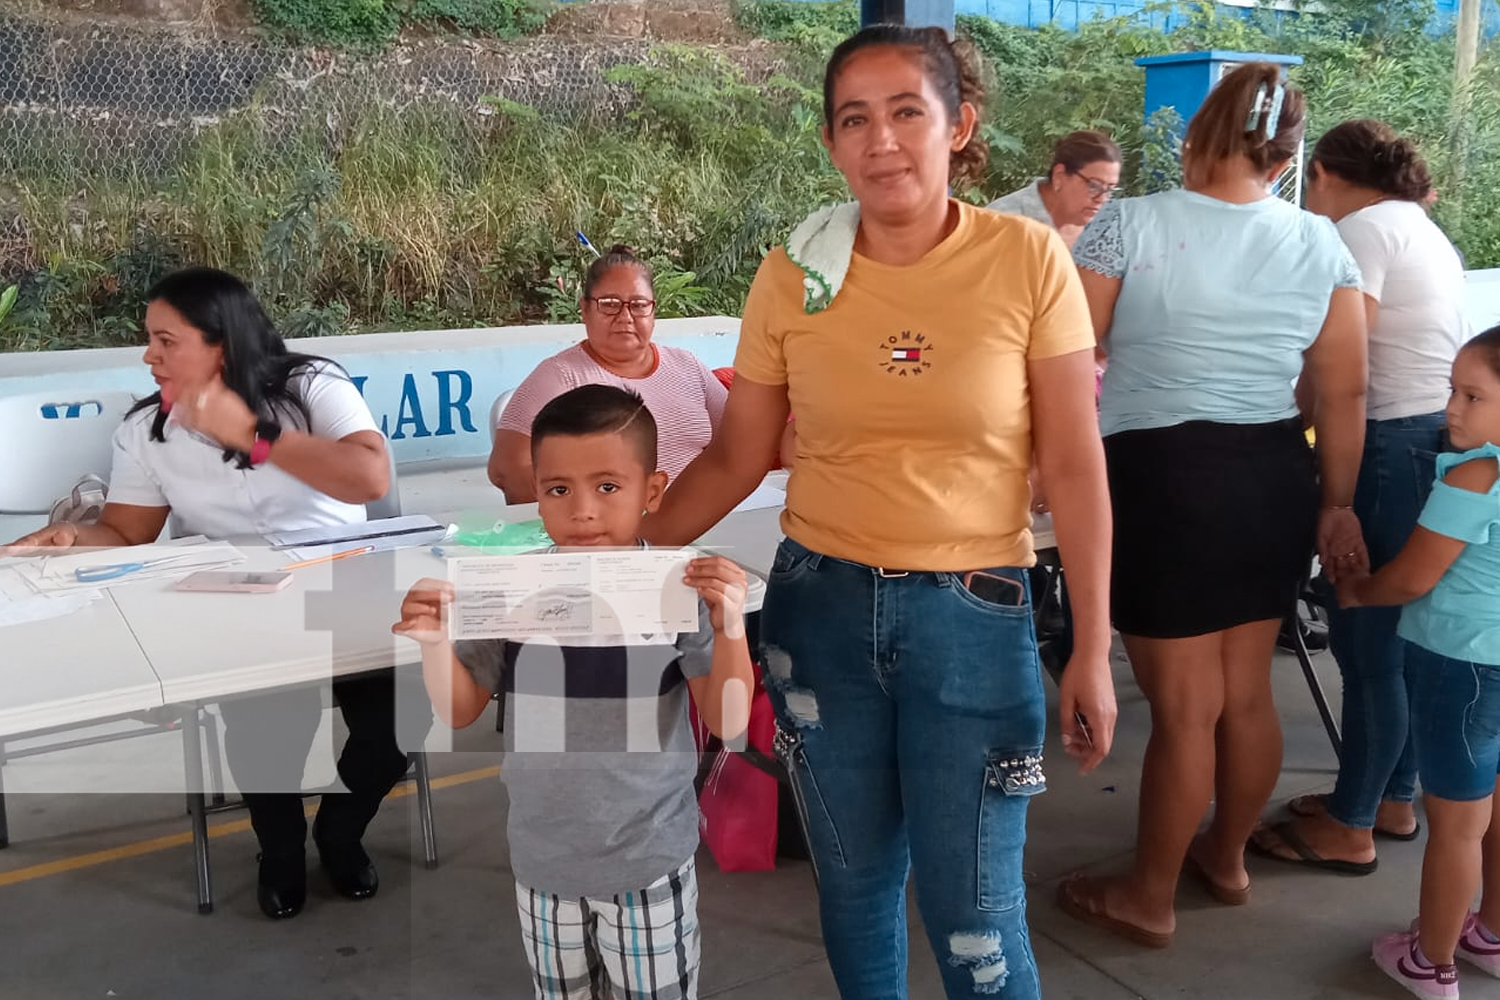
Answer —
1302 854
1076 903
1227 894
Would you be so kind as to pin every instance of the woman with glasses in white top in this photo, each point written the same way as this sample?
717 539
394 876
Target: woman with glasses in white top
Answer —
619 316
1085 174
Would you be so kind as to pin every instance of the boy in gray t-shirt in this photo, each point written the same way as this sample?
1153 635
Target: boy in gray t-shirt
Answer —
601 760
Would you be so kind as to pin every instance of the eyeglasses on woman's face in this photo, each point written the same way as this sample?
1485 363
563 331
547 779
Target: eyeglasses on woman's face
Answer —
1098 190
610 305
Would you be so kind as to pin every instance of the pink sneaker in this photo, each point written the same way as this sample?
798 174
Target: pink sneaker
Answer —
1396 954
1476 948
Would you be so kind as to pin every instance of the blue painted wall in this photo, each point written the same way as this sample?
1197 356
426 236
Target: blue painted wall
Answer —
1070 13
1064 13
430 390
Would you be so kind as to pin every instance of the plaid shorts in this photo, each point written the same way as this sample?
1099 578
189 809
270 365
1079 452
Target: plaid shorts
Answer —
640 945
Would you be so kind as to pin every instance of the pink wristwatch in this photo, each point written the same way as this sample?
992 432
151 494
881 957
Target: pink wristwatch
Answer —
266 434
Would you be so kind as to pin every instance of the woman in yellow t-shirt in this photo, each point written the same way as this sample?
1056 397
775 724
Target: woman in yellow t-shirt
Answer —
926 346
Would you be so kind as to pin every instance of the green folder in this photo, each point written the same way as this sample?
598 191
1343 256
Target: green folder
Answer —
492 537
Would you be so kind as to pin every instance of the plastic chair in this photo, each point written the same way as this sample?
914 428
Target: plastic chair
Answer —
387 506
497 408
53 439
1308 594
390 504
56 439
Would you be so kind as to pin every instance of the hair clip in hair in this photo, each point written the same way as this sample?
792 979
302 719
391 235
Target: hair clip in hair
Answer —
1273 116
1252 121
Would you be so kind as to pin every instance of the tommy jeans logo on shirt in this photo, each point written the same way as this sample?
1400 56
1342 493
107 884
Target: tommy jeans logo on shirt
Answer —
907 354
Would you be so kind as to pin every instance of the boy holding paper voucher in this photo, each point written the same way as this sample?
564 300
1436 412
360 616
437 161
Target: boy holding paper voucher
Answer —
600 754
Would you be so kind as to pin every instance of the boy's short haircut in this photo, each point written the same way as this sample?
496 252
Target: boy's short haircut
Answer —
598 409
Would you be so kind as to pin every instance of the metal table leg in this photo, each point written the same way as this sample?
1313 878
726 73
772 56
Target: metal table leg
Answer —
215 765
192 753
4 825
424 809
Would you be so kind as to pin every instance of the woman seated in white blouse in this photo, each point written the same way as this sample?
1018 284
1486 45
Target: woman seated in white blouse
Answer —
242 438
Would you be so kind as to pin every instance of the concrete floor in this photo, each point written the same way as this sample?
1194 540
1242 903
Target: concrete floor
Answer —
96 896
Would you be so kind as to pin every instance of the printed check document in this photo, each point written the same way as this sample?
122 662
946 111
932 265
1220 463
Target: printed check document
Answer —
601 592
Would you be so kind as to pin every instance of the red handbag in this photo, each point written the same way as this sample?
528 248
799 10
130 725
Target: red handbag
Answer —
738 804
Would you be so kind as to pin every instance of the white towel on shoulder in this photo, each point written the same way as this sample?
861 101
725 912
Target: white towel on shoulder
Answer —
822 246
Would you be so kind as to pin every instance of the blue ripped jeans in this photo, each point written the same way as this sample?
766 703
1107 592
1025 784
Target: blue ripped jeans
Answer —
910 717
1395 477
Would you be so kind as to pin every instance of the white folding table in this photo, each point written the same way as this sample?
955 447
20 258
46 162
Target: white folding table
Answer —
332 621
64 673
147 646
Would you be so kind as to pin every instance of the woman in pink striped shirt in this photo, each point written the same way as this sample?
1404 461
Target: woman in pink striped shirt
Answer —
619 314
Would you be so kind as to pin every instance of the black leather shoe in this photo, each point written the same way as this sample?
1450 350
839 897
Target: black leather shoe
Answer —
281 889
350 870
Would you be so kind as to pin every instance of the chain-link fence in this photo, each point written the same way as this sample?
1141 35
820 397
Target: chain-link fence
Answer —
435 184
109 99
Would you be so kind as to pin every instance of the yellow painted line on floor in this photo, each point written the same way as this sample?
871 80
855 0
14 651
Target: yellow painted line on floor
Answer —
461 778
215 831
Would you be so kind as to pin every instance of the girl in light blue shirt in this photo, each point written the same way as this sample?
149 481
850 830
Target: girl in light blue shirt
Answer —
1448 576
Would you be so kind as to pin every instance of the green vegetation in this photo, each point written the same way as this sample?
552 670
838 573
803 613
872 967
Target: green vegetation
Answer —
353 217
374 23
1051 81
435 217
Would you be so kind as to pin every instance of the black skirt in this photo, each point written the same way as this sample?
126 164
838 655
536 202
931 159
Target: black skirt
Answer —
1214 525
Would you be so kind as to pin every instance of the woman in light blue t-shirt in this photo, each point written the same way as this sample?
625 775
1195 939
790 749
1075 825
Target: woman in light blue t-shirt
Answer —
1211 301
1449 572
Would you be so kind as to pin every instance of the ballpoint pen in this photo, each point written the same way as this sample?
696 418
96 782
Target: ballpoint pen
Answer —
586 244
113 571
323 559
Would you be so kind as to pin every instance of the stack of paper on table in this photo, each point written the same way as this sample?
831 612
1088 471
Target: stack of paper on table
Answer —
20 604
379 536
162 561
